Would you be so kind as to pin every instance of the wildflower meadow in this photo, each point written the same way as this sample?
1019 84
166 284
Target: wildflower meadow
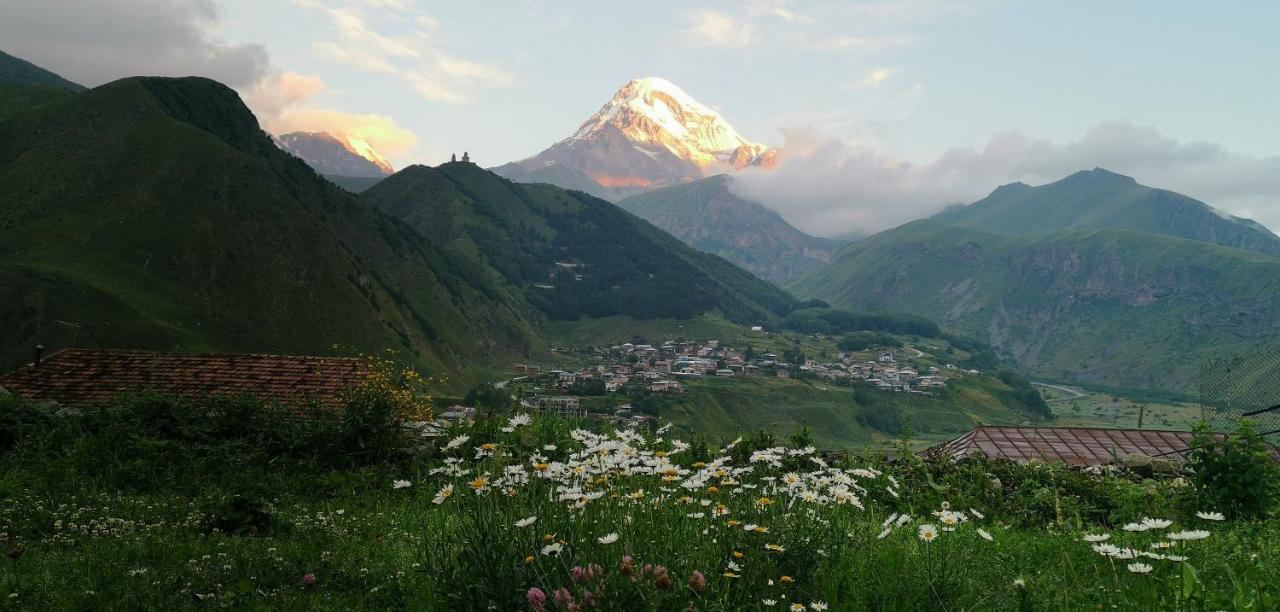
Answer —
153 505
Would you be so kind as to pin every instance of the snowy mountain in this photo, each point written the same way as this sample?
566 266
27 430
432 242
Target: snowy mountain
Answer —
339 155
650 134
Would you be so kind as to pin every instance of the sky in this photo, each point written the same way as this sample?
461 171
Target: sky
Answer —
886 110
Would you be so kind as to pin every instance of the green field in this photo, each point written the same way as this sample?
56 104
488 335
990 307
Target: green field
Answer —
1085 408
156 504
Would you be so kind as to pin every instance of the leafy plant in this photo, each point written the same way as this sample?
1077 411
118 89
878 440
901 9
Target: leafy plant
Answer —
1234 474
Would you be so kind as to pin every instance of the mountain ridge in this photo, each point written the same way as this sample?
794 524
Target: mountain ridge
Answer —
1099 198
155 214
708 216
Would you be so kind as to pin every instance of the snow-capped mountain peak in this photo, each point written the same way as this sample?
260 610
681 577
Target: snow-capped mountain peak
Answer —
339 154
654 112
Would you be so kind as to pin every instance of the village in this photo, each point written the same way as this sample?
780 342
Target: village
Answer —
666 369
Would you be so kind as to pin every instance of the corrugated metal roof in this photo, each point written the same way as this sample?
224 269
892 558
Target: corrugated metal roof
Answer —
75 377
1072 445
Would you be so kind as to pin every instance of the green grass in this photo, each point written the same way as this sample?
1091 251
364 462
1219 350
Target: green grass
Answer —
1106 410
115 514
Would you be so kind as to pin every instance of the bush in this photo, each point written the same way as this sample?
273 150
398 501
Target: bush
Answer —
1236 474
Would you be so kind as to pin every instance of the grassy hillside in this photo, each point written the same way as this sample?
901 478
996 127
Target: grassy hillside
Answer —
1120 308
709 217
154 213
1098 199
571 254
837 416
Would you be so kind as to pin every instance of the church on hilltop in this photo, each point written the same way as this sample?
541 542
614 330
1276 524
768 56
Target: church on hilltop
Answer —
466 157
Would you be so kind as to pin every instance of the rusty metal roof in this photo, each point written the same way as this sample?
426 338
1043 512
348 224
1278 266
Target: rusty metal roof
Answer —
76 377
1072 445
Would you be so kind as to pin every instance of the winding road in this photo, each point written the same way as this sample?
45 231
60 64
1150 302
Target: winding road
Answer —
1073 393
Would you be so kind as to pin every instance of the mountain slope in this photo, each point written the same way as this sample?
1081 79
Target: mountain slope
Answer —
1112 307
1098 199
155 213
17 71
708 216
336 155
650 134
571 254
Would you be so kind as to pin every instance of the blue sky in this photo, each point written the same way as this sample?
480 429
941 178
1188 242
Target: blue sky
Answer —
907 105
957 72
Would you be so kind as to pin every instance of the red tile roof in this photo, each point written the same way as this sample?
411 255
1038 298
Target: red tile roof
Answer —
75 377
1072 445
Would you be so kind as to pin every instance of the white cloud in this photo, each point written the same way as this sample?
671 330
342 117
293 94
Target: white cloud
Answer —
876 76
831 186
711 28
414 57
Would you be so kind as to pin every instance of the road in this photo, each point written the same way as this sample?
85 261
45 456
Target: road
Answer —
1074 394
918 354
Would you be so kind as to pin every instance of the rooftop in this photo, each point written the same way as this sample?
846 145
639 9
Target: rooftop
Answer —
76 377
1072 445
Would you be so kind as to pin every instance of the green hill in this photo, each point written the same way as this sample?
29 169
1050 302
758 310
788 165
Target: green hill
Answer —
839 417
1098 199
571 254
1114 307
709 217
17 71
155 213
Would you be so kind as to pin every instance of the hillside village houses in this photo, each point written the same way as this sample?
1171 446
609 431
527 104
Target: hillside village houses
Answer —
662 369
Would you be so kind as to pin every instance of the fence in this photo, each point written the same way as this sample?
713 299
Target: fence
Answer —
1246 387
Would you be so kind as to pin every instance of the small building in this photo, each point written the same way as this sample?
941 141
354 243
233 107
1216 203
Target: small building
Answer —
663 366
784 373
724 372
666 386
565 406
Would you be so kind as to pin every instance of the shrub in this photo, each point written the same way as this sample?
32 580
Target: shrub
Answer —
1236 474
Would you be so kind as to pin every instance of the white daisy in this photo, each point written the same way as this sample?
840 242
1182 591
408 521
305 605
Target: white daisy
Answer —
928 532
1211 516
1139 568
608 538
401 484
525 522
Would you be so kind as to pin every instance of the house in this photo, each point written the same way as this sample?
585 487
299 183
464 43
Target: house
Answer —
784 373
457 413
565 406
724 372
662 366
751 370
1078 446
82 377
666 386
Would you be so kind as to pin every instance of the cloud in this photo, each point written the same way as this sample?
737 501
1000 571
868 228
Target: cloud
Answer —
283 101
387 137
874 77
415 58
100 41
831 186
711 28
103 40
